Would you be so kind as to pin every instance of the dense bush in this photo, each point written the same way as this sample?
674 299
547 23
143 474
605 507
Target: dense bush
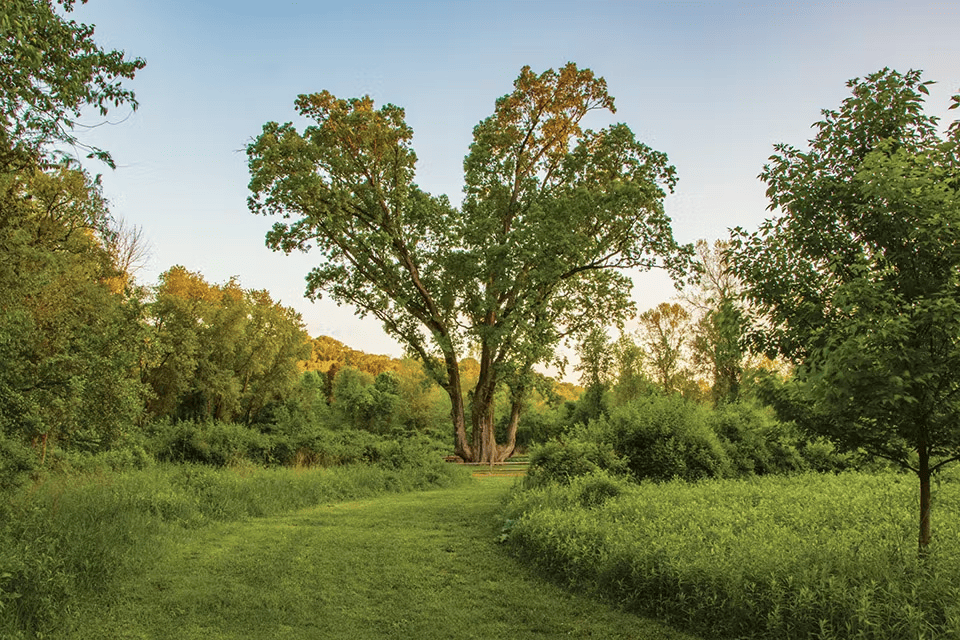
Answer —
665 437
210 442
16 460
562 461
755 441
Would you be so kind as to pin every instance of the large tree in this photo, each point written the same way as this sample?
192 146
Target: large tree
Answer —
858 279
552 213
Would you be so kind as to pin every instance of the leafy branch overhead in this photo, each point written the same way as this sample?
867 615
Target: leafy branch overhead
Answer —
51 70
552 213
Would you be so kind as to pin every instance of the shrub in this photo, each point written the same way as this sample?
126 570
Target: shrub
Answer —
594 489
214 443
562 461
665 437
16 461
755 441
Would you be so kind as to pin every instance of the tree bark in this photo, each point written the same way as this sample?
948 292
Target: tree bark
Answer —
923 470
484 425
506 450
457 413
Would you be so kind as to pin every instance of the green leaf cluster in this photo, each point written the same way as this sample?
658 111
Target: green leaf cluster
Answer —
219 351
51 70
858 279
69 324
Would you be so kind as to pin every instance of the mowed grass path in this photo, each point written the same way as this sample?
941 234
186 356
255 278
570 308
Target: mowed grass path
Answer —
419 565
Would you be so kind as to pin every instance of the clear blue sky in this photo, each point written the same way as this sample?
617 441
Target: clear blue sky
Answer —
712 84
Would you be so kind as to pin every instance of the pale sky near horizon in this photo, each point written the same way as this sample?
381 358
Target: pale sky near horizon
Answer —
714 85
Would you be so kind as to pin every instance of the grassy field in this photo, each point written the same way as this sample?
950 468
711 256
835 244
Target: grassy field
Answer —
419 565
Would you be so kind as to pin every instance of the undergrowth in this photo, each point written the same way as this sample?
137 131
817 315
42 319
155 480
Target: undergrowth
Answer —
809 556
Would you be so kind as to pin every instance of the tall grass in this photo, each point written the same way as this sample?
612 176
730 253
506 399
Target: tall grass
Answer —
811 556
70 537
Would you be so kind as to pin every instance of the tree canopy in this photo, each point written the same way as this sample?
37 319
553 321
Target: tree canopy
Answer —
858 279
219 351
552 212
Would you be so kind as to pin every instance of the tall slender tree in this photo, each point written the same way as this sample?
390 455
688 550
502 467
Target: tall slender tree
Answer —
664 336
858 279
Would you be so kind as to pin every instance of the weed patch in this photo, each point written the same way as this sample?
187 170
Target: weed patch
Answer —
809 556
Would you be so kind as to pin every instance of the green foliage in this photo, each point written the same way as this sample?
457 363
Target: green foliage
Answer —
69 324
757 443
214 443
593 403
717 345
632 382
825 556
661 437
69 330
551 213
595 364
16 459
664 332
219 351
666 437
53 71
857 281
367 403
539 424
562 461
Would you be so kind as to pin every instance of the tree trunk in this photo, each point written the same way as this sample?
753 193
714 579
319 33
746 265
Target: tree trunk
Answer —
505 450
483 418
482 446
457 414
924 472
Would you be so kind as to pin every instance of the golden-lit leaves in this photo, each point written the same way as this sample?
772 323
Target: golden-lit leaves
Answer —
551 211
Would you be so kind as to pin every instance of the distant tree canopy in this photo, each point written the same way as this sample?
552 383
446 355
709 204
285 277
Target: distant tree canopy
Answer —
219 351
327 352
551 214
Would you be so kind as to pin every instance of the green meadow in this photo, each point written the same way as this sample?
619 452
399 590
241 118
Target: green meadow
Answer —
235 556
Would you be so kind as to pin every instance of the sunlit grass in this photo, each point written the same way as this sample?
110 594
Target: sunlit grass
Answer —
420 565
70 538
